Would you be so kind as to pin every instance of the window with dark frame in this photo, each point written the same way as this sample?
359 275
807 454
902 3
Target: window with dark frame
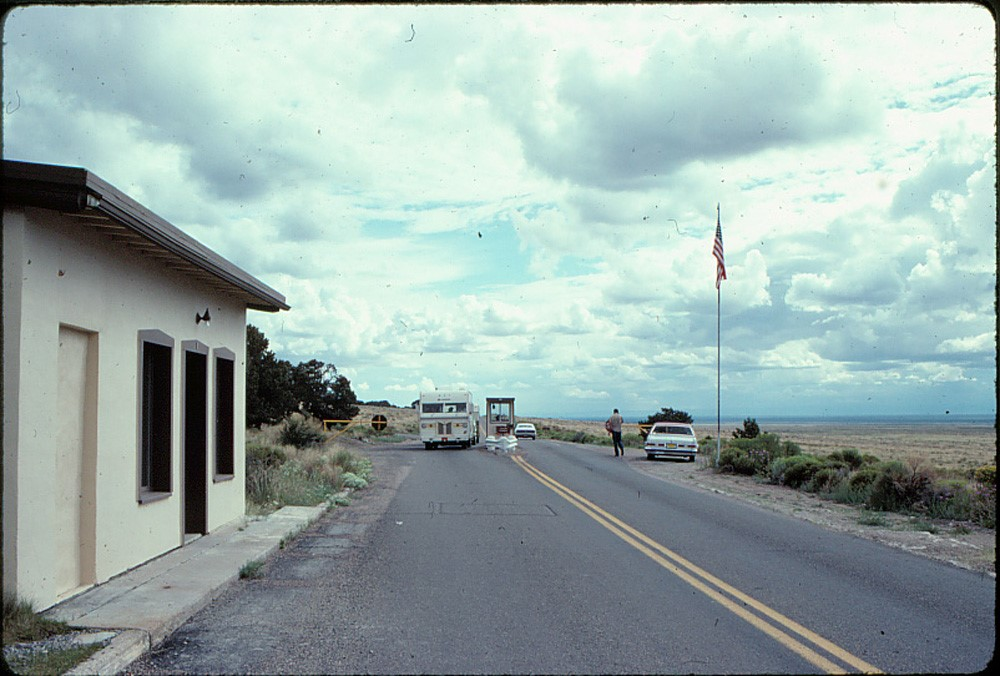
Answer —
156 414
225 420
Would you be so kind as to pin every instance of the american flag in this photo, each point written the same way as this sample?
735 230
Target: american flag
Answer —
720 260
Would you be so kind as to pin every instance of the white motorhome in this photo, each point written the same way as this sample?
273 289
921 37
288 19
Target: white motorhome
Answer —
448 418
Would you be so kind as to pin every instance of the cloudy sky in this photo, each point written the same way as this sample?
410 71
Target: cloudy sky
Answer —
521 200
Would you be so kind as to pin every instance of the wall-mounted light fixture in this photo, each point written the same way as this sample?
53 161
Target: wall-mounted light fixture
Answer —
199 318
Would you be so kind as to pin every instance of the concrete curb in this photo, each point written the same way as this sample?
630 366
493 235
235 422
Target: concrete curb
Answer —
125 648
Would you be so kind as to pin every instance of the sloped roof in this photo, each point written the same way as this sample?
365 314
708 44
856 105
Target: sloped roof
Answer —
97 204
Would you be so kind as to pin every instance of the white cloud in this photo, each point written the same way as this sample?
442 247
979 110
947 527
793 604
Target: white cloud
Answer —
523 197
981 344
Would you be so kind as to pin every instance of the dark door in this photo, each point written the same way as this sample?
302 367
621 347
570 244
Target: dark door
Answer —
195 442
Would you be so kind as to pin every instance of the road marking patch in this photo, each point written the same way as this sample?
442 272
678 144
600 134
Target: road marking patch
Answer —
775 624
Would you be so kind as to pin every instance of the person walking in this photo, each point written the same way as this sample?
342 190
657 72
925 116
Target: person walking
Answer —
614 426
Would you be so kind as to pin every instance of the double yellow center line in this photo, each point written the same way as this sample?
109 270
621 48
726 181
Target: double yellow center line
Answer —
766 619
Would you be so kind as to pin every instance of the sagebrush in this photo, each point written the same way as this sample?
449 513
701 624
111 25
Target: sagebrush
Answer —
851 477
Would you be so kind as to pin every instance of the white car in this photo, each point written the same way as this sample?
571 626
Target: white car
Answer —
525 431
671 440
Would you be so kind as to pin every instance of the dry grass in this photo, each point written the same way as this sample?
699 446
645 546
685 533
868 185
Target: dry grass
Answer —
960 446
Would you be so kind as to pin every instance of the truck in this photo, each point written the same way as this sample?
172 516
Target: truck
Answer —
448 418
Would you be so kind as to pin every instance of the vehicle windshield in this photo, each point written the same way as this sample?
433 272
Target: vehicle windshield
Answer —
450 407
673 429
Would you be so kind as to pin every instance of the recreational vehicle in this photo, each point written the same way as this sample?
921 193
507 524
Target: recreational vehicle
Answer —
448 418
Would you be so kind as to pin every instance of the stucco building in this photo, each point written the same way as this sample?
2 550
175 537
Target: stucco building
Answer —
123 383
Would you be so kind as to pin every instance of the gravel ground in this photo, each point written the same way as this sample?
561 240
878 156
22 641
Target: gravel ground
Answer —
18 652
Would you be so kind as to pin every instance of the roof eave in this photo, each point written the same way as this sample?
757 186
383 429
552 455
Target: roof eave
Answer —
75 190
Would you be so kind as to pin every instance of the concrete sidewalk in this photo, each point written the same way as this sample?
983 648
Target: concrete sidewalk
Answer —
146 604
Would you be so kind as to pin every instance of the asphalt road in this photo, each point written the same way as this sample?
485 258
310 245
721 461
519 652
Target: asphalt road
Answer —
569 561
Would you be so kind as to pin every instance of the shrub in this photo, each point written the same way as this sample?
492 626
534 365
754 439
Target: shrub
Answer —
321 467
848 494
826 479
789 448
353 481
899 487
856 487
301 433
983 501
754 455
986 474
949 499
352 463
863 479
750 429
850 456
838 465
795 470
276 477
266 455
294 485
767 441
737 460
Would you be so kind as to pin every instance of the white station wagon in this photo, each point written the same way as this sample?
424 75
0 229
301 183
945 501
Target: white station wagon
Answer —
671 440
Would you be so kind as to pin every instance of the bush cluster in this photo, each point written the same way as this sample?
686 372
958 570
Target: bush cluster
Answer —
292 468
752 456
301 432
852 477
984 503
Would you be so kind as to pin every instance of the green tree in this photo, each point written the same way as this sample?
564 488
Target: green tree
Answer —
669 415
323 393
269 382
750 430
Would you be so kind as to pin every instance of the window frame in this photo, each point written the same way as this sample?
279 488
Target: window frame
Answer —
155 416
224 416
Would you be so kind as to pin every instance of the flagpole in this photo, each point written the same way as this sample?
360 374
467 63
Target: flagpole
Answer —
718 357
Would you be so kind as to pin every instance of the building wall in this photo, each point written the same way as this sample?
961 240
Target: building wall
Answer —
74 302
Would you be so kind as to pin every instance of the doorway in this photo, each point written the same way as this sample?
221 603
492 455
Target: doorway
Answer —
195 439
75 462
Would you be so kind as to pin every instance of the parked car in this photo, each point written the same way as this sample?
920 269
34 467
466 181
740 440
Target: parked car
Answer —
525 431
671 440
